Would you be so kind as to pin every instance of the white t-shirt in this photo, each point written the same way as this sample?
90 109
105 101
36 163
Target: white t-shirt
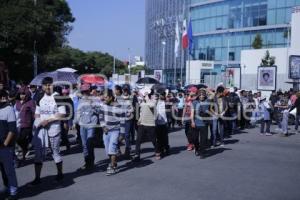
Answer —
48 109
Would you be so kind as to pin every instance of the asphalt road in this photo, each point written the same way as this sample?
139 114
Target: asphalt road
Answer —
249 167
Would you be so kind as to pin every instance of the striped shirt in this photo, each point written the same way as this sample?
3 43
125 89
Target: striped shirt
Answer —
112 117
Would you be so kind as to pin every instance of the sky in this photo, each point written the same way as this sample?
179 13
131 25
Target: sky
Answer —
112 26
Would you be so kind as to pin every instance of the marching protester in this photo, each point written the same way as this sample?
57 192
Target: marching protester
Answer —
87 118
265 108
48 115
283 105
8 130
146 124
186 119
171 102
25 107
127 105
180 106
233 102
112 121
199 115
161 128
296 106
218 109
66 124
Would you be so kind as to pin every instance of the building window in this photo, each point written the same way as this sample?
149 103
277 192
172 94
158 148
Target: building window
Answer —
231 56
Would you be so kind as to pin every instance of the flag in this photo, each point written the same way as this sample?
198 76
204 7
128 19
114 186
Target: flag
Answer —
185 39
177 38
190 38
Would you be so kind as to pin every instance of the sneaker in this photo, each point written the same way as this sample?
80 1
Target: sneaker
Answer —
157 156
111 171
268 134
35 182
277 129
222 145
12 197
189 147
284 135
136 159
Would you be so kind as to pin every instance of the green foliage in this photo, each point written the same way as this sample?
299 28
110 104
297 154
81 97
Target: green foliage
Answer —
268 60
84 62
258 42
22 22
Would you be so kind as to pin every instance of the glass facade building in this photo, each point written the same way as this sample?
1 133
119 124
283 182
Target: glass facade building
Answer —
223 28
161 17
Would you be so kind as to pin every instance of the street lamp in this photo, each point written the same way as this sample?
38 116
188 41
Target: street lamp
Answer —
163 59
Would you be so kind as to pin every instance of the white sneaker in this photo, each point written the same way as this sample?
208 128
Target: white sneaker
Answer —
268 134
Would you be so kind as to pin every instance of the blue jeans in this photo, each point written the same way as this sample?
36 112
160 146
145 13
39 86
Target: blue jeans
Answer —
111 140
266 123
233 123
297 122
8 169
87 138
128 124
218 127
285 121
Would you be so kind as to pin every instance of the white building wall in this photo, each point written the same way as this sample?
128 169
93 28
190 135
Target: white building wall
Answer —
295 24
251 60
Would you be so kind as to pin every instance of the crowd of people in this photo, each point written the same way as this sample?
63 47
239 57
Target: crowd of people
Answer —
40 118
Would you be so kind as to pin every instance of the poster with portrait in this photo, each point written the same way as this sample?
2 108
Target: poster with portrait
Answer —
266 78
158 75
294 67
233 77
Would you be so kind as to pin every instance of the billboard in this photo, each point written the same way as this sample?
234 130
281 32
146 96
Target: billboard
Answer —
233 77
266 78
294 67
158 75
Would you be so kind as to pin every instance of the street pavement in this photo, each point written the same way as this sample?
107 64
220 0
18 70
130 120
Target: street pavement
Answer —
249 167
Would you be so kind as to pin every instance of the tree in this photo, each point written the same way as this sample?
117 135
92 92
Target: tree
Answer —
47 22
84 62
257 42
268 60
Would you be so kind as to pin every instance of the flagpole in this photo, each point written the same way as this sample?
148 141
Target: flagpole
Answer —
175 75
181 66
189 79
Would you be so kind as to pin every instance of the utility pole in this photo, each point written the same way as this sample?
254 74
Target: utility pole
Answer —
35 56
114 69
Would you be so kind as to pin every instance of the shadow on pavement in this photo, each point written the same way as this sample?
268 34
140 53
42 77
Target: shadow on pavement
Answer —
213 152
231 141
48 183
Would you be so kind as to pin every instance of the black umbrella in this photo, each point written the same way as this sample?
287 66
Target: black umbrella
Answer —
199 86
159 88
147 80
